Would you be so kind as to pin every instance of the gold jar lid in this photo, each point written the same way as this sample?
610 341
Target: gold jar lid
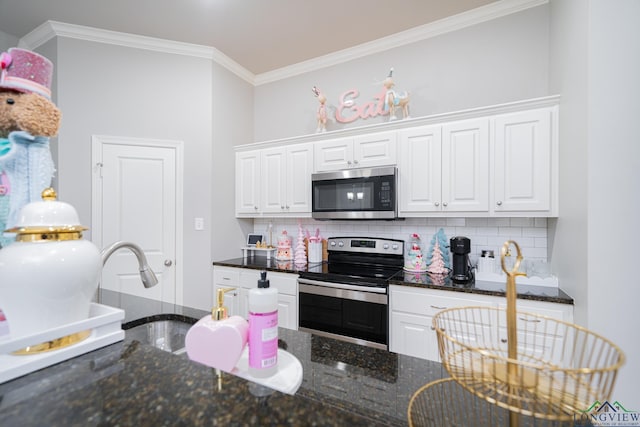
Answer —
48 220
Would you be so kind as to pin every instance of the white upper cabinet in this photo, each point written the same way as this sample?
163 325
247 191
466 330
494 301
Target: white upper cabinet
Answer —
495 161
247 183
444 168
299 170
524 149
286 179
375 149
419 169
465 166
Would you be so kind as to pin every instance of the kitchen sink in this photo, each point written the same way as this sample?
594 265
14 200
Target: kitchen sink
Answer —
166 332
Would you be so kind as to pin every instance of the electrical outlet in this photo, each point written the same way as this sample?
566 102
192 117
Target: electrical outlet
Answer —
199 224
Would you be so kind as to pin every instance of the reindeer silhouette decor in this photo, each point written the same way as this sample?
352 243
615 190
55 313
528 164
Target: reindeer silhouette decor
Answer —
394 99
321 115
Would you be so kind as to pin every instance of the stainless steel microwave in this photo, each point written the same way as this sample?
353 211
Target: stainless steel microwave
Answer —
365 193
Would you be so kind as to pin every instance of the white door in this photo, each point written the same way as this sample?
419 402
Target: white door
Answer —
138 198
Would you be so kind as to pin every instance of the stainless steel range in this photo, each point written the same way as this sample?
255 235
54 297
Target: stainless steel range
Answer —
346 298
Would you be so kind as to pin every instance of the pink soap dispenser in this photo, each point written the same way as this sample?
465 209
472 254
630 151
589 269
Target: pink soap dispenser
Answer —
263 329
218 340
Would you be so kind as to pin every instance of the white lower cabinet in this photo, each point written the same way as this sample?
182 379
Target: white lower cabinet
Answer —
243 279
411 312
535 336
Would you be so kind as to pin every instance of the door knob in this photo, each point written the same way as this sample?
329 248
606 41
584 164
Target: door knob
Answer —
168 263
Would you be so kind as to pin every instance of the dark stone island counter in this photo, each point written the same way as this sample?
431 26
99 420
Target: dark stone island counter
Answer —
134 384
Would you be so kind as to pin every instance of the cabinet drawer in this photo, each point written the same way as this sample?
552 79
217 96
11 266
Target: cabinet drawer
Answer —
554 310
226 276
429 302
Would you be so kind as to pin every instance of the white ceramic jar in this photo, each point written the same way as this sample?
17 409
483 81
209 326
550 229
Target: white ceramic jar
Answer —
50 274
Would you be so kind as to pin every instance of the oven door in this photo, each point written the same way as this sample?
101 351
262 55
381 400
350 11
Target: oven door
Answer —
349 314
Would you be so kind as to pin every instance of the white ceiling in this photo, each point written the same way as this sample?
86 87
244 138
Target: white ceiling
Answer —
260 35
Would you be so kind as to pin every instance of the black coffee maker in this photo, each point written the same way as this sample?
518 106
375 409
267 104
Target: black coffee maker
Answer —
461 273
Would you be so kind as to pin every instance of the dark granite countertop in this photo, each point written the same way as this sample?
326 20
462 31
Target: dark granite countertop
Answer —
133 384
404 278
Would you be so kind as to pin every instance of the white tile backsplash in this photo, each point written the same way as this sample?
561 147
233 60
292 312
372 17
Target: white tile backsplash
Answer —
485 233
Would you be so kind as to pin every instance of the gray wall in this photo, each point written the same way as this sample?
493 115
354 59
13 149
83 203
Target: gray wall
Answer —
232 125
502 60
595 64
114 90
7 41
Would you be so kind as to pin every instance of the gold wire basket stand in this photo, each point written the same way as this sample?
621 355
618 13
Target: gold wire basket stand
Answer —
526 363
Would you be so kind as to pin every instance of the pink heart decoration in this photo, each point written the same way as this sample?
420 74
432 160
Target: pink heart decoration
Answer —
218 344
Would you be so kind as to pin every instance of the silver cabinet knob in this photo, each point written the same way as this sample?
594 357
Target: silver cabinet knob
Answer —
499 203
445 204
168 263
348 162
355 161
255 207
287 207
281 207
437 204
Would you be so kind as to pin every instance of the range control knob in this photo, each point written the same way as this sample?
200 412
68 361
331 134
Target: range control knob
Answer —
394 247
341 244
385 246
333 243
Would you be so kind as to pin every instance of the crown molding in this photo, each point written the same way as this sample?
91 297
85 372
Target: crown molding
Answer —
423 32
51 29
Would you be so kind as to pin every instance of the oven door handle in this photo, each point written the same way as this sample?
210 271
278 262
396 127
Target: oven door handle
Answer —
376 290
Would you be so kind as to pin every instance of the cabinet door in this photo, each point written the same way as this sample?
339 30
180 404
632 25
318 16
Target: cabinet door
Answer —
273 168
334 154
412 335
522 161
535 336
377 149
298 182
419 170
247 183
465 166
287 310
